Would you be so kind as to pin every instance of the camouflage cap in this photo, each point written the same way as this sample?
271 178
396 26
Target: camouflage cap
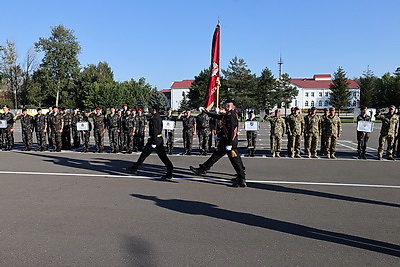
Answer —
332 109
392 107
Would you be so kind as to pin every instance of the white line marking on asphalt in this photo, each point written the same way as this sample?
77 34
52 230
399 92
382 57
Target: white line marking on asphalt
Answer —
197 179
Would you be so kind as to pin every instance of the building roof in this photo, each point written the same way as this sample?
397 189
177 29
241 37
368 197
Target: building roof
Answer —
185 84
166 91
319 81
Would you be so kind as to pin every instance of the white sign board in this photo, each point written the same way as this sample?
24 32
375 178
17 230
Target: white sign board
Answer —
168 125
82 126
365 126
251 126
3 124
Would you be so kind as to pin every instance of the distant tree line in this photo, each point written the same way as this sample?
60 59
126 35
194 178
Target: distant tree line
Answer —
58 79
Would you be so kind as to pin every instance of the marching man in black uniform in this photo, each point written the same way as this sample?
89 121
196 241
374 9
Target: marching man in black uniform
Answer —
156 142
227 145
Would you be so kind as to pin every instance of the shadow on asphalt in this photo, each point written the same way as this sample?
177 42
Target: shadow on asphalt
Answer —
282 189
213 211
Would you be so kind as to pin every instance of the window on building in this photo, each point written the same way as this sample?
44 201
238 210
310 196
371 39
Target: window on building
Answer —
306 103
312 94
326 103
306 94
312 103
326 94
354 103
354 94
320 94
320 103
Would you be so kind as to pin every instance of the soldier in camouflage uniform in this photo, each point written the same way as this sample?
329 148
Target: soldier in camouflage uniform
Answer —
278 129
56 124
203 132
86 134
129 128
396 146
40 126
362 137
169 134
8 138
112 127
141 129
66 133
48 130
312 132
323 134
390 126
76 135
333 128
189 128
120 131
295 129
99 122
27 128
251 137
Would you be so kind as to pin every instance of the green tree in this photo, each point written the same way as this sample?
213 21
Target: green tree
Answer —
384 91
266 94
340 96
367 84
60 60
197 90
11 70
285 92
158 99
240 83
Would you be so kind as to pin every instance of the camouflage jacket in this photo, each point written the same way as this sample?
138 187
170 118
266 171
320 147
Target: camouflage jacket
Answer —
112 121
295 124
312 125
128 123
278 125
26 122
75 118
332 126
99 121
40 122
142 122
188 123
203 121
390 123
56 121
9 117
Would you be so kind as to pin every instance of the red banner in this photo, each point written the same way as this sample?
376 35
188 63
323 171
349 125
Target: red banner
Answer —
214 82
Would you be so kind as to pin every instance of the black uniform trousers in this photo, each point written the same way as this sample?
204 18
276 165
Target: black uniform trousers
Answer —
233 155
160 150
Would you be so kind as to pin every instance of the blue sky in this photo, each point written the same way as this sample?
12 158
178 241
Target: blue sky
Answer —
170 40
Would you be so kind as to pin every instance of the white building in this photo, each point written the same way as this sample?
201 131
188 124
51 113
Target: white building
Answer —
315 92
178 90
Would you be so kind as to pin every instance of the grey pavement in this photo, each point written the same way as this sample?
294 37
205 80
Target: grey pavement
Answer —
84 209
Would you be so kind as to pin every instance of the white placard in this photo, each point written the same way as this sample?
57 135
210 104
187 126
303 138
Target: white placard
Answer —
251 126
365 126
82 126
168 125
3 124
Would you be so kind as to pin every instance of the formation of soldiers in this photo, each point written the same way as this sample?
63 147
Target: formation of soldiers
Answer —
58 130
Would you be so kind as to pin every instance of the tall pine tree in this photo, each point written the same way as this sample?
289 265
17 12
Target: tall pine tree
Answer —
340 95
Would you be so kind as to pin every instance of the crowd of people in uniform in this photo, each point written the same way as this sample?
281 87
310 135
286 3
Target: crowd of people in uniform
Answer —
58 130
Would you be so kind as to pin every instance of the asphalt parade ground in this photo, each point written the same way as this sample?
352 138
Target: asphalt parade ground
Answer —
83 209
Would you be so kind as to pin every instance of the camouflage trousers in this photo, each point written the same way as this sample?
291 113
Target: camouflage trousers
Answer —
56 139
188 140
169 136
130 140
389 139
294 144
66 137
113 137
99 139
331 142
139 139
311 144
76 136
27 138
203 135
41 140
85 138
276 144
8 138
362 140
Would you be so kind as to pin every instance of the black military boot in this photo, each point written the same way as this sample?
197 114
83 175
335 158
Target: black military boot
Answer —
198 171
